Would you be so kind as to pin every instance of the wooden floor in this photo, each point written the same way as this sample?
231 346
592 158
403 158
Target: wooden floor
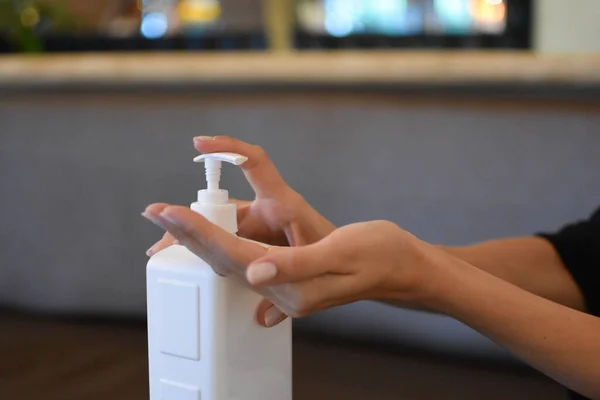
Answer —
50 359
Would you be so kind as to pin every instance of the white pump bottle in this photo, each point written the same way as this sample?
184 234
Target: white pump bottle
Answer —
204 342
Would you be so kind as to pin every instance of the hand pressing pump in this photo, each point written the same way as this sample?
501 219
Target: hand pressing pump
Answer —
204 342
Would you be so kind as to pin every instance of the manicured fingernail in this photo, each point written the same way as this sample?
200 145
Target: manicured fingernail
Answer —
168 217
273 316
150 217
204 138
151 250
261 272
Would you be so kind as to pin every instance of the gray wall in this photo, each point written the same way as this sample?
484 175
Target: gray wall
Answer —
76 171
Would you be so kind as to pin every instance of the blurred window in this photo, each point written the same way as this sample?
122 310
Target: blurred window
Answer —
130 25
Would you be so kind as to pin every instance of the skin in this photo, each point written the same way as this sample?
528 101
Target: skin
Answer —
530 263
278 215
525 298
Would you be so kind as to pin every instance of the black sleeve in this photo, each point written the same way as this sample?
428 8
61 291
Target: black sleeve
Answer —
578 245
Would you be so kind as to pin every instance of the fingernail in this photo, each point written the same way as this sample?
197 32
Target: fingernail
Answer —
150 217
204 138
273 316
151 250
261 272
169 218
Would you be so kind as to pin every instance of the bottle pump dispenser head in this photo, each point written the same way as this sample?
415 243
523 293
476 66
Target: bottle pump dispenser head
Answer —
213 202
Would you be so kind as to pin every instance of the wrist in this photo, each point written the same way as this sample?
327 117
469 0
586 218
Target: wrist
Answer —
429 276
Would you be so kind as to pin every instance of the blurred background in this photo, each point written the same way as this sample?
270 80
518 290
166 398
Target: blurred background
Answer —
460 120
64 25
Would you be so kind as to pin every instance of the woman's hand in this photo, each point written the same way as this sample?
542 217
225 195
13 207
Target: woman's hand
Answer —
373 260
378 260
370 260
278 215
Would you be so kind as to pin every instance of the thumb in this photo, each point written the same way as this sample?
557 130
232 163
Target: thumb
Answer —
289 265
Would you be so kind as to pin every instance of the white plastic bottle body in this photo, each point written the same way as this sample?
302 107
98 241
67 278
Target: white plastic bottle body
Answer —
204 342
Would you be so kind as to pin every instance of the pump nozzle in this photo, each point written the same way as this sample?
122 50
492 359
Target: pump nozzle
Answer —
213 202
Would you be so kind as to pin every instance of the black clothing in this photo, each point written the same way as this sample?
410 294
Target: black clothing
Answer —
578 245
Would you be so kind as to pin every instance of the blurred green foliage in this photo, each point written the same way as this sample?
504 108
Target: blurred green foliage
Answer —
24 22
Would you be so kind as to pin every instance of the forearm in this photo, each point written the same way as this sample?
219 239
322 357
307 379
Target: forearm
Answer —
559 341
530 263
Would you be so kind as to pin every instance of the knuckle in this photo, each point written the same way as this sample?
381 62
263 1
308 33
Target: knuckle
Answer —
386 228
257 156
386 224
261 154
346 254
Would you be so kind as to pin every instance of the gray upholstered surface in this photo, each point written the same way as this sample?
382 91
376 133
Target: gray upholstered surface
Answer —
76 173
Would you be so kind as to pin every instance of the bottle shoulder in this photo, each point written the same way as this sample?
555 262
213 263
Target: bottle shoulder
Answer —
177 258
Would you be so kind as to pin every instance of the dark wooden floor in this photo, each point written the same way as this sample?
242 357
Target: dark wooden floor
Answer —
49 359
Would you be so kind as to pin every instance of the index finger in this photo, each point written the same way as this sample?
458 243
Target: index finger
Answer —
223 251
259 169
214 243
220 249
